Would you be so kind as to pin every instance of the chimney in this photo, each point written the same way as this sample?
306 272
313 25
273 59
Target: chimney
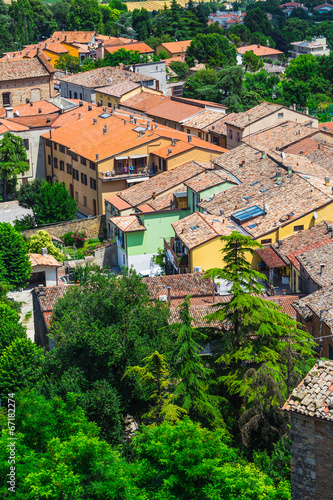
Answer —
125 122
189 138
41 292
280 243
65 40
135 120
105 129
306 111
90 107
121 65
329 228
31 103
80 103
27 101
105 109
327 181
9 113
94 121
131 118
48 119
196 62
97 156
79 116
173 142
169 151
44 251
290 170
322 268
263 155
39 51
294 107
169 294
39 110
278 175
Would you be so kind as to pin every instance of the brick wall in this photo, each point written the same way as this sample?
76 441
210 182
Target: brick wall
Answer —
311 458
95 227
21 90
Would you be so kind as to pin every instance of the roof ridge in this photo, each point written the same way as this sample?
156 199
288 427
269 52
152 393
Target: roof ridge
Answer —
210 225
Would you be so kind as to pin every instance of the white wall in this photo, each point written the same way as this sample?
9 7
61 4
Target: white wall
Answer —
51 274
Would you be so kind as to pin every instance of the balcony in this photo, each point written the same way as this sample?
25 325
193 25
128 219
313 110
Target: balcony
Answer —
179 260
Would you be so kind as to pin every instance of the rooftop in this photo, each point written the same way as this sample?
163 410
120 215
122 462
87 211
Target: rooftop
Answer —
259 50
302 241
198 228
313 397
203 118
101 77
37 259
181 285
175 47
318 263
206 180
119 89
157 185
220 125
128 223
141 47
73 36
242 120
25 68
319 303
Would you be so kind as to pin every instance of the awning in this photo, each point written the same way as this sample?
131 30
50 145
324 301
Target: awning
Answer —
132 180
133 157
121 157
271 258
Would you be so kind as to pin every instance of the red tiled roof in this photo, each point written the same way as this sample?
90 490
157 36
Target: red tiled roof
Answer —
270 258
313 246
141 47
37 259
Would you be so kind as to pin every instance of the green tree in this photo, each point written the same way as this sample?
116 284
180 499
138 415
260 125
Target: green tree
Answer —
251 61
180 68
141 23
84 15
195 379
6 33
23 21
27 193
69 63
43 240
13 161
53 204
256 20
295 30
43 22
303 67
10 327
212 49
14 256
20 364
203 85
185 461
264 354
155 375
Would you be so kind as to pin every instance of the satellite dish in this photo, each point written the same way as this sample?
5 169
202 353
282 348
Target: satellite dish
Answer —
315 216
283 154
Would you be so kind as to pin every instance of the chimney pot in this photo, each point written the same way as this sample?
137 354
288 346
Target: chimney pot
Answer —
189 138
39 110
44 251
80 103
322 268
9 113
89 107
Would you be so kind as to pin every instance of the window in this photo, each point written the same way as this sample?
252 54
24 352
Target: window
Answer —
280 115
230 134
83 161
215 140
92 165
26 143
93 183
156 68
61 148
70 94
75 174
74 156
298 228
80 96
266 242
84 201
199 135
69 168
76 196
48 159
188 131
55 162
110 104
62 165
83 179
75 95
6 99
237 137
48 143
55 146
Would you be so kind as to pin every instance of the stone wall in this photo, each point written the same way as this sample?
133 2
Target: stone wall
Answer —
33 89
311 458
103 257
95 227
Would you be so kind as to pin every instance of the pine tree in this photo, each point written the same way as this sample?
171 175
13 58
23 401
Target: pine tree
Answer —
195 379
13 160
262 352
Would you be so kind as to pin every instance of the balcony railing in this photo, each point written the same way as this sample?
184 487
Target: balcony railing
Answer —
179 260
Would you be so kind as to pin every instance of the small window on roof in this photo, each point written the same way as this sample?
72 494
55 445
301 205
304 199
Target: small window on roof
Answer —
298 228
266 242
280 115
247 214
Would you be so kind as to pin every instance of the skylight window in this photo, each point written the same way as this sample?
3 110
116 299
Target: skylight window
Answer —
247 214
254 183
105 115
193 228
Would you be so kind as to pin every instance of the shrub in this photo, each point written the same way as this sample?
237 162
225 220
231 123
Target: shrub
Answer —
76 238
26 222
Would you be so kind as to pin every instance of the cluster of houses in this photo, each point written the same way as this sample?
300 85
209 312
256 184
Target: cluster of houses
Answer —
170 174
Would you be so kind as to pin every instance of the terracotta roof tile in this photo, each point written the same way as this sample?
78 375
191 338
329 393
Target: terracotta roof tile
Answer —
37 259
270 257
73 36
206 180
141 47
118 202
313 397
175 47
119 89
128 223
198 228
203 118
181 285
169 151
100 77
313 260
242 120
24 68
286 303
259 50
